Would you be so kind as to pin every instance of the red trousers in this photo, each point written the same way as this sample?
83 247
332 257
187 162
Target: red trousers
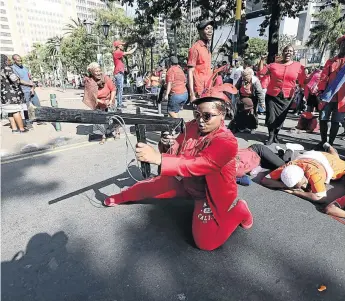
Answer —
208 234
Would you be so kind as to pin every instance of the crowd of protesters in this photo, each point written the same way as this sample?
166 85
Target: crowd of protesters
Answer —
204 163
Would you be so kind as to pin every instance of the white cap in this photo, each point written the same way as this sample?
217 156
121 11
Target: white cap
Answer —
291 175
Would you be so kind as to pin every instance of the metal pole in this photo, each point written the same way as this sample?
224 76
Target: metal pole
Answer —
54 104
237 27
191 25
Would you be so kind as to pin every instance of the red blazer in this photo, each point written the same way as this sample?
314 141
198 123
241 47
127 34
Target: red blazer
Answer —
283 78
213 157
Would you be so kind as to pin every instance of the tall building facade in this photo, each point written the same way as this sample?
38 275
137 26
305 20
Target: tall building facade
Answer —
26 22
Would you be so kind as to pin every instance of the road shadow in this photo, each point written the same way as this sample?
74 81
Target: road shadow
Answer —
47 271
21 185
122 180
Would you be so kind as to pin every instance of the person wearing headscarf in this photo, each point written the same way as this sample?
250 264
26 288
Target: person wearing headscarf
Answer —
176 91
199 164
99 94
308 174
12 96
284 73
250 95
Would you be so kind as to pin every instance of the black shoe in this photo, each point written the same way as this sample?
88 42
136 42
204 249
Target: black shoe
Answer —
288 156
319 147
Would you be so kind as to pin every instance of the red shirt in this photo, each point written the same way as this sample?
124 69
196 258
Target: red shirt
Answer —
119 66
247 160
264 80
283 78
200 57
329 73
209 162
177 78
104 93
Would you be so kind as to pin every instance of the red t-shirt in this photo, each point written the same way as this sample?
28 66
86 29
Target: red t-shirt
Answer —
118 61
177 78
200 58
104 93
246 161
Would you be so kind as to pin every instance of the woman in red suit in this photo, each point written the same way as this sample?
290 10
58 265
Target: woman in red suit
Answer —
199 164
283 76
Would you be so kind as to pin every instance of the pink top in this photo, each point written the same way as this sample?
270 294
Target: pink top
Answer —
283 78
104 93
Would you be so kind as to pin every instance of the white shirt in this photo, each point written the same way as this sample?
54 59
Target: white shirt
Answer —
236 74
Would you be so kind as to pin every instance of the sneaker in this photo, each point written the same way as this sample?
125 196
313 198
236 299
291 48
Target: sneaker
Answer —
15 131
326 146
244 181
294 146
248 222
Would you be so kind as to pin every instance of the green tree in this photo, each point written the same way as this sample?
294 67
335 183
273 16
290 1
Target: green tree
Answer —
278 9
256 47
77 51
284 40
331 25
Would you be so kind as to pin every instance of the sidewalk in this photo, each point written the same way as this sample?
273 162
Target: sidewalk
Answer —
46 137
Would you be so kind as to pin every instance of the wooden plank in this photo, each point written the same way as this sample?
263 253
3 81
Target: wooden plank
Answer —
97 117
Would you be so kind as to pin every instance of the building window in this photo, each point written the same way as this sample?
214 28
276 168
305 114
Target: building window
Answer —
5 34
6 42
6 49
5 27
4 19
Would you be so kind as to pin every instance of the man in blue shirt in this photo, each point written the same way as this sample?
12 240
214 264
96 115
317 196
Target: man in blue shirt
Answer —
29 92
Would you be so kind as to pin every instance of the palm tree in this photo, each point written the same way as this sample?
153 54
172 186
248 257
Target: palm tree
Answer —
52 43
326 32
77 24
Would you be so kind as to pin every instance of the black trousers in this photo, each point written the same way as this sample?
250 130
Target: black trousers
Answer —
269 159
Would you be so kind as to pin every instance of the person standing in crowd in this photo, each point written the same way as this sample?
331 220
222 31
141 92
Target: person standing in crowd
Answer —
99 94
176 92
199 164
119 68
330 77
250 95
283 76
199 61
28 89
237 71
311 91
12 96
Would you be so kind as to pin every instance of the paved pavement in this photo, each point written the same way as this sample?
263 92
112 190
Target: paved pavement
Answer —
59 244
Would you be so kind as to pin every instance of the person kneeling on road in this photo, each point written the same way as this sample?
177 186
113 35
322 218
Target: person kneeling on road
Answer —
307 175
199 164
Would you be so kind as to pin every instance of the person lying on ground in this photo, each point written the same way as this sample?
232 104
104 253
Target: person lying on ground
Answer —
336 208
308 175
200 165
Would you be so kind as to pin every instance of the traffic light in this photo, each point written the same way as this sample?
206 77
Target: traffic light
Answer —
242 38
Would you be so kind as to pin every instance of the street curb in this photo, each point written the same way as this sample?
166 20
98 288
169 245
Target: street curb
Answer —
23 155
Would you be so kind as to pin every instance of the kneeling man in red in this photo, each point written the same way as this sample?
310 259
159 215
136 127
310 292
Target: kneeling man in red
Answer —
200 164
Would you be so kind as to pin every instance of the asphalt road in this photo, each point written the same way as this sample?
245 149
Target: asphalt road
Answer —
59 244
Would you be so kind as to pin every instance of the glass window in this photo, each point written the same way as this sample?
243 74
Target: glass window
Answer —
6 42
5 26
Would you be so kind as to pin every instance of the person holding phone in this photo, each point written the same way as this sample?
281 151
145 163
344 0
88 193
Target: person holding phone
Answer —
283 73
119 68
199 164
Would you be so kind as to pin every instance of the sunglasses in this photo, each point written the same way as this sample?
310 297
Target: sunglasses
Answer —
206 116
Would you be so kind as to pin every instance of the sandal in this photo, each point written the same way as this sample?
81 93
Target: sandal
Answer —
102 141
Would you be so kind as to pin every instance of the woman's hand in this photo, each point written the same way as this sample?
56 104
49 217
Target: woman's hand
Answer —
264 57
146 153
